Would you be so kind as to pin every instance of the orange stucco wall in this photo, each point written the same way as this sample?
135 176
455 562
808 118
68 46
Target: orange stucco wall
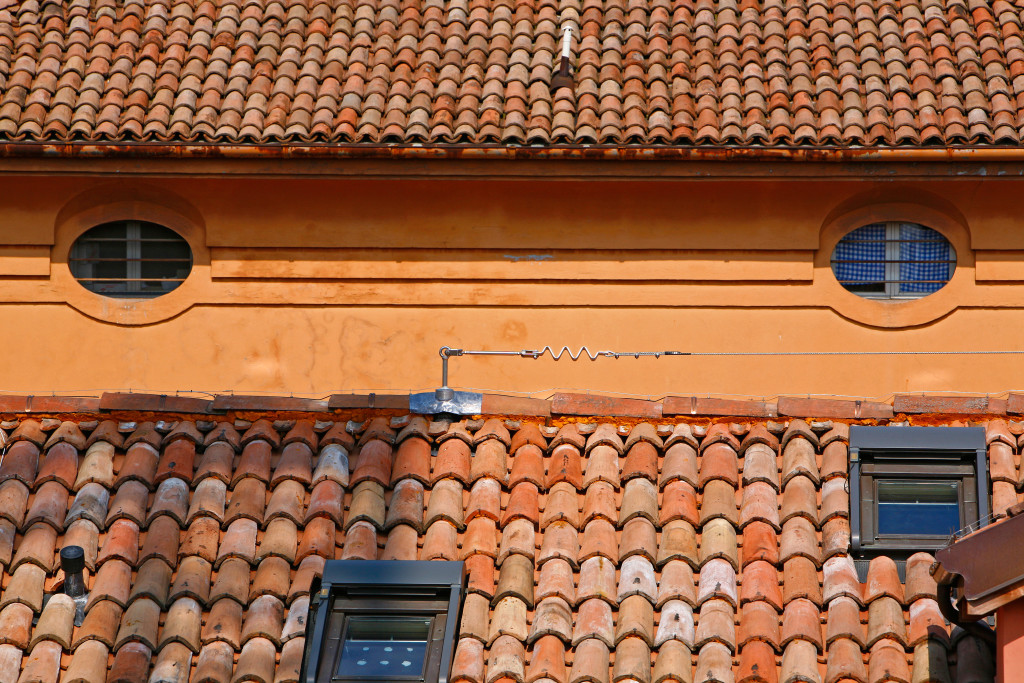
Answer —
314 286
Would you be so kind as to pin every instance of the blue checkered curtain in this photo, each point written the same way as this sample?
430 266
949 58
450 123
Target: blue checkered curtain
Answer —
925 257
859 258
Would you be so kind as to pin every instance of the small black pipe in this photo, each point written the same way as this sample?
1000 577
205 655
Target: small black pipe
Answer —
72 561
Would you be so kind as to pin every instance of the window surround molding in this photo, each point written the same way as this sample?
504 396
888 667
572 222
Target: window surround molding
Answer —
119 202
911 442
896 313
385 587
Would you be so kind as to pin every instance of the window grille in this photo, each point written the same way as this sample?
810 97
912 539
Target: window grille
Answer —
130 259
893 261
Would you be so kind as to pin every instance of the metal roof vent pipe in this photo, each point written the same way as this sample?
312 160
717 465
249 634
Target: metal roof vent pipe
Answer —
72 561
563 77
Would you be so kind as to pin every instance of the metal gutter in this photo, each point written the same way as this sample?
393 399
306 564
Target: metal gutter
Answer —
549 163
230 150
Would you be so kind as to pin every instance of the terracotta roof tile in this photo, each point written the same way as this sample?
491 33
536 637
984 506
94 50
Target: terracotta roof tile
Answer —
131 663
15 624
768 577
60 464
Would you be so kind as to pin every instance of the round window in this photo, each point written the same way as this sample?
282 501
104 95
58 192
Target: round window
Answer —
130 259
893 261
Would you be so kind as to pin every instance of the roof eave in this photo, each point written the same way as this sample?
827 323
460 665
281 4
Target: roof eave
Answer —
509 160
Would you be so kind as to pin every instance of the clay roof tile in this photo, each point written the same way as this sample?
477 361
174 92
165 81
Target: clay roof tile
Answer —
641 459
640 498
254 463
845 662
597 579
153 579
528 433
489 460
556 580
112 582
591 661
718 581
412 460
760 503
208 500
296 462
201 538
547 662
920 583
146 433
216 461
553 617
256 661
604 435
139 624
171 498
368 505
493 429
106 431
716 624
60 464
140 463
679 501
799 498
69 433
718 461
28 430
883 579
176 461
714 663
719 433
602 465
215 662
798 458
15 625
131 663
523 502
121 542
885 621
632 660
562 504
20 462
42 663
680 463
261 430
719 500
185 429
507 659
888 662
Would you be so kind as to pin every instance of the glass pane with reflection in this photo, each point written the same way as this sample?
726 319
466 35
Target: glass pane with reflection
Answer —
384 647
925 508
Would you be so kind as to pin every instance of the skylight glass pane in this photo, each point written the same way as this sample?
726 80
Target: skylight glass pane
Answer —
920 508
384 647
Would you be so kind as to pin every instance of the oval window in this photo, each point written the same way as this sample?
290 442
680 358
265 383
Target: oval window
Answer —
893 261
130 259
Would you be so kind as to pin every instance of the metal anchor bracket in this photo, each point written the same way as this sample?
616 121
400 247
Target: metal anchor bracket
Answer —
447 400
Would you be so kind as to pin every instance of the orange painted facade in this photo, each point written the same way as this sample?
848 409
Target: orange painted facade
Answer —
320 285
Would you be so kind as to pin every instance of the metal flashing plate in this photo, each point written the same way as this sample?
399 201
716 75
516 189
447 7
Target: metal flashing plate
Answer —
462 403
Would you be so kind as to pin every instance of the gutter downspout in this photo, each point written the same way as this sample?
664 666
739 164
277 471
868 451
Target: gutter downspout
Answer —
951 613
